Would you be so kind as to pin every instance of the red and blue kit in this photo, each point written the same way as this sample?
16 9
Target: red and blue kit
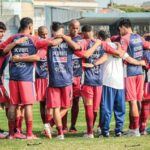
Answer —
77 70
21 73
147 83
3 63
60 75
92 86
41 81
134 45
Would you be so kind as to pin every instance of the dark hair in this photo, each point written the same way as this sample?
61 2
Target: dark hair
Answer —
87 28
25 22
103 35
56 26
125 22
147 38
2 26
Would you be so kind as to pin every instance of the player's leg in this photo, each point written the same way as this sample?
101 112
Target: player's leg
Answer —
96 101
54 103
87 95
107 105
64 122
119 111
66 100
41 87
14 101
4 101
75 103
145 111
28 98
131 97
42 110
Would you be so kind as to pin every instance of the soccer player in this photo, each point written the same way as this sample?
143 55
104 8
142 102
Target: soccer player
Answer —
3 62
133 44
59 93
74 28
21 77
41 83
92 87
41 76
145 111
113 94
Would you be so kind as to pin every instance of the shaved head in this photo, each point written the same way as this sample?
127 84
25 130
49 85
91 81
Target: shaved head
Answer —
74 27
74 22
43 32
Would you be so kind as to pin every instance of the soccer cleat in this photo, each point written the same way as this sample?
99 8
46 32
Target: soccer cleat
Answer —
19 135
88 136
60 137
133 132
32 137
47 131
65 131
73 130
11 137
2 136
143 132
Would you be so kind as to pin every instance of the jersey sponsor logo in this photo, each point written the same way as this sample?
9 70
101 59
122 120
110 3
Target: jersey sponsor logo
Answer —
136 41
43 67
60 68
138 48
60 56
138 54
21 50
76 64
20 65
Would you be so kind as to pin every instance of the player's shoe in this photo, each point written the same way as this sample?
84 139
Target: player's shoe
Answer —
47 130
2 136
88 136
4 132
99 131
32 137
19 135
133 132
11 137
65 131
119 134
143 132
60 137
73 130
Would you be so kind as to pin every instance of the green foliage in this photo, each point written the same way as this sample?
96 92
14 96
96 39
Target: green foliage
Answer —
131 8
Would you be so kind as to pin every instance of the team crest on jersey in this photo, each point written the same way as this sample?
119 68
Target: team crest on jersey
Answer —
136 40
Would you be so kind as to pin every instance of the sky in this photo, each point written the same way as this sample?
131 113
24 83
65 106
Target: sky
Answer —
137 2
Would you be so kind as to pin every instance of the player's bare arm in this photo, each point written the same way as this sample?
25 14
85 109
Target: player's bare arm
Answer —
135 62
99 61
90 51
31 58
70 42
55 42
13 44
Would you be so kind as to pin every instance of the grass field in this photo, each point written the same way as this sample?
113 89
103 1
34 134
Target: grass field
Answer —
74 141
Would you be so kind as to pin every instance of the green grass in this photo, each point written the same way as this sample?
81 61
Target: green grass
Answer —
74 142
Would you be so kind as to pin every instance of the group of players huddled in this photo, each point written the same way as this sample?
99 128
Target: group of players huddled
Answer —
56 71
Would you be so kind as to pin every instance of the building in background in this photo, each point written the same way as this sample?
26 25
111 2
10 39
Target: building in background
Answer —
44 12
